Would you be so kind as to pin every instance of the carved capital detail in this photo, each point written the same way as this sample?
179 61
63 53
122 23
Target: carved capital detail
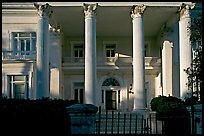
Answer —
44 10
90 9
184 10
137 10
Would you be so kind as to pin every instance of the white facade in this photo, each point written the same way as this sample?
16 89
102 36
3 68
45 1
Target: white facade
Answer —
110 54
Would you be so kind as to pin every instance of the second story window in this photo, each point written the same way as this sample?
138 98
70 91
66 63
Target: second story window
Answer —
78 51
110 50
24 42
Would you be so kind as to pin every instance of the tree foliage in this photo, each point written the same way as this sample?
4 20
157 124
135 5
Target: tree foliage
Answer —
194 71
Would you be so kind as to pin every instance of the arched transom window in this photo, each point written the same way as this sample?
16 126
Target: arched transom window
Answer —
110 82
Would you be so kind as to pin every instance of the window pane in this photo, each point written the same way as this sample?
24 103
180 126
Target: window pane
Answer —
81 96
19 91
22 45
80 53
75 53
112 53
24 34
78 46
78 84
18 78
76 94
15 45
107 53
34 44
110 46
15 34
33 34
27 45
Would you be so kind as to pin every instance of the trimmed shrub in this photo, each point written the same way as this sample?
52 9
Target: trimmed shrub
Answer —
173 112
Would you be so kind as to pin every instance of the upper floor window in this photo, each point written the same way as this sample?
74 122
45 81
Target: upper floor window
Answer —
24 42
77 51
110 50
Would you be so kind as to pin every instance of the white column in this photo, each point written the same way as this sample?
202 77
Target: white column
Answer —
90 53
42 62
138 57
185 48
167 68
55 60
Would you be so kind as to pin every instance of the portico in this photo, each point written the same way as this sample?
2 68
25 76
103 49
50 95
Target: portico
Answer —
120 42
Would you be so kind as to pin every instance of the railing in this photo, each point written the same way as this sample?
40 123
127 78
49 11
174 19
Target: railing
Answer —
114 122
18 55
117 60
73 60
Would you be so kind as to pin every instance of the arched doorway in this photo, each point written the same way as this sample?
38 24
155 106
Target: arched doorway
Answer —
111 94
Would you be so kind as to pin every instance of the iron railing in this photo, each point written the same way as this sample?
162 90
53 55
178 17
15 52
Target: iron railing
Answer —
18 55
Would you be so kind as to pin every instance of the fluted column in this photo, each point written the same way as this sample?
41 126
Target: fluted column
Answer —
42 62
185 48
138 57
90 53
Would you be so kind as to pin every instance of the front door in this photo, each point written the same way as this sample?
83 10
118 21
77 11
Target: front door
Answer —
111 100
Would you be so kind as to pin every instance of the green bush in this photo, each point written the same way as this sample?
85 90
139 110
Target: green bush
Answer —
168 106
172 111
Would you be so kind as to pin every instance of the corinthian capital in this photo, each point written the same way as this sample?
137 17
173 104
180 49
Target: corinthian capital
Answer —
137 10
184 10
90 9
44 10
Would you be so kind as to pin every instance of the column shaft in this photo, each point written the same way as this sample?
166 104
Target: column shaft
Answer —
184 50
42 62
90 54
138 58
167 68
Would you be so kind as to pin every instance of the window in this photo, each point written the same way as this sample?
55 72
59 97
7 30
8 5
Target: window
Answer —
110 82
79 91
24 42
110 50
18 87
78 51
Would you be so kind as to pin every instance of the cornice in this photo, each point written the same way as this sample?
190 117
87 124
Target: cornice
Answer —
20 7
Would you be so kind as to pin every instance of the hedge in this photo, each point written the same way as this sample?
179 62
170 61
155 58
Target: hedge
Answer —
42 116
